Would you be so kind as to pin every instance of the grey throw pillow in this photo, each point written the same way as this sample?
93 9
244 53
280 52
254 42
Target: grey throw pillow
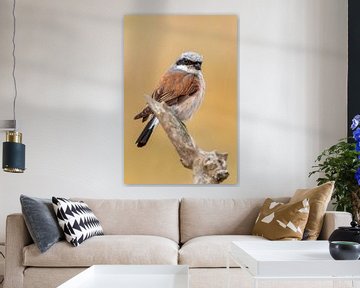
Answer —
41 221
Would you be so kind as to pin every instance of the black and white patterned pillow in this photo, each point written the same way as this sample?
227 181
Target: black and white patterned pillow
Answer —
77 220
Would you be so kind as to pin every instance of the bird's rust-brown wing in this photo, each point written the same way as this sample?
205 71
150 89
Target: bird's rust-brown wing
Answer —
174 87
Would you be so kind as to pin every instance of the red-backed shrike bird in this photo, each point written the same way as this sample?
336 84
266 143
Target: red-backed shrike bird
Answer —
182 88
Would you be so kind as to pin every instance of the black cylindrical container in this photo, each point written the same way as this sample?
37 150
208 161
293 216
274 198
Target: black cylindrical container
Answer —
13 153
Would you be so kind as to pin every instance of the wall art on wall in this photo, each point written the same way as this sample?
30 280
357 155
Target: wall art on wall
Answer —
188 62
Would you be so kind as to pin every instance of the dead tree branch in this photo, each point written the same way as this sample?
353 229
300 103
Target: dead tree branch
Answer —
207 167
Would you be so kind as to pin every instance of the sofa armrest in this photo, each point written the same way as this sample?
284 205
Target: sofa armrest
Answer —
17 237
333 220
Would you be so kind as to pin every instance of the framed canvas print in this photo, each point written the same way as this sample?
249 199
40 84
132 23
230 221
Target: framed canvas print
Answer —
189 63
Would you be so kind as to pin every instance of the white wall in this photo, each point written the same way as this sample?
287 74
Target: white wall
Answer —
292 94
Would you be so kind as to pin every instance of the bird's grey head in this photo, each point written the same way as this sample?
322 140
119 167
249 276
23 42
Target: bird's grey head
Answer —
190 61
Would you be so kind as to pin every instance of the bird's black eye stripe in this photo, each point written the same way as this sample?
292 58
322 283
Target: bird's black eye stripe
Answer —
183 62
187 62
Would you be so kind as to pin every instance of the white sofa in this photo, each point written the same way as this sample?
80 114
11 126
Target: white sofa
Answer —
195 232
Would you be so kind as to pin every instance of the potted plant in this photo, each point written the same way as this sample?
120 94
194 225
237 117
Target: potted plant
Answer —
341 163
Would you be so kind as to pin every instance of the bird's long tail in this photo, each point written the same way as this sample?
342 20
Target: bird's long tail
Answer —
146 133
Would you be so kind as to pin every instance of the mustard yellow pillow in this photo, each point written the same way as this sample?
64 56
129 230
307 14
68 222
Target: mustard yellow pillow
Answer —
279 221
319 198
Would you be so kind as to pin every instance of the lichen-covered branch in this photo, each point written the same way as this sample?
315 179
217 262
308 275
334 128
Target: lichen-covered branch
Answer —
207 167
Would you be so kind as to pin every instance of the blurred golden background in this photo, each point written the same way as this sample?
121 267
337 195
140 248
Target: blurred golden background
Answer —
152 43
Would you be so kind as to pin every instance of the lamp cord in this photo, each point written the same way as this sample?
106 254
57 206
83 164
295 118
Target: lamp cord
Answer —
14 61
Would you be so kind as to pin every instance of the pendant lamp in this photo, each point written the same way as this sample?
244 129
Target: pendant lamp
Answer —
13 160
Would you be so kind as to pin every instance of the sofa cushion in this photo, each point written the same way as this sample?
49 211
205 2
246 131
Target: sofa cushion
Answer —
200 217
211 251
35 277
77 220
41 221
107 249
158 217
319 198
279 221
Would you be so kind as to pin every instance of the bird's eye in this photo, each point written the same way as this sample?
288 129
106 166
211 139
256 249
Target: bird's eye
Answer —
187 62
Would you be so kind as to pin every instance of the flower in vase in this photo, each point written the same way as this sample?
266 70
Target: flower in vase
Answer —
355 122
356 134
357 176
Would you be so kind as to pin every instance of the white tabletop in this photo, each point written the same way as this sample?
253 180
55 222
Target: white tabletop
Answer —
291 259
131 276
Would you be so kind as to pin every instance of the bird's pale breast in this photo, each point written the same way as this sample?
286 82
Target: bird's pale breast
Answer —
188 107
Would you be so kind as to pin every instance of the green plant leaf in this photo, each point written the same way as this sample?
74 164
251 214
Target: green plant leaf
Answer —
338 163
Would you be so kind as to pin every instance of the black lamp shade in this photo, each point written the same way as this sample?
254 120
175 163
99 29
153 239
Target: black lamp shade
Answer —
13 157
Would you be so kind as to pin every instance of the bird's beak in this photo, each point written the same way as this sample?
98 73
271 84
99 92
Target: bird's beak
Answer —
197 66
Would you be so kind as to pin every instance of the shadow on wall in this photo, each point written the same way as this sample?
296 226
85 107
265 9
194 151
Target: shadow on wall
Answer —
82 55
306 98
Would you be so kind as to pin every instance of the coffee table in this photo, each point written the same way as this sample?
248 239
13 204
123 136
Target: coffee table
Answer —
292 260
131 276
